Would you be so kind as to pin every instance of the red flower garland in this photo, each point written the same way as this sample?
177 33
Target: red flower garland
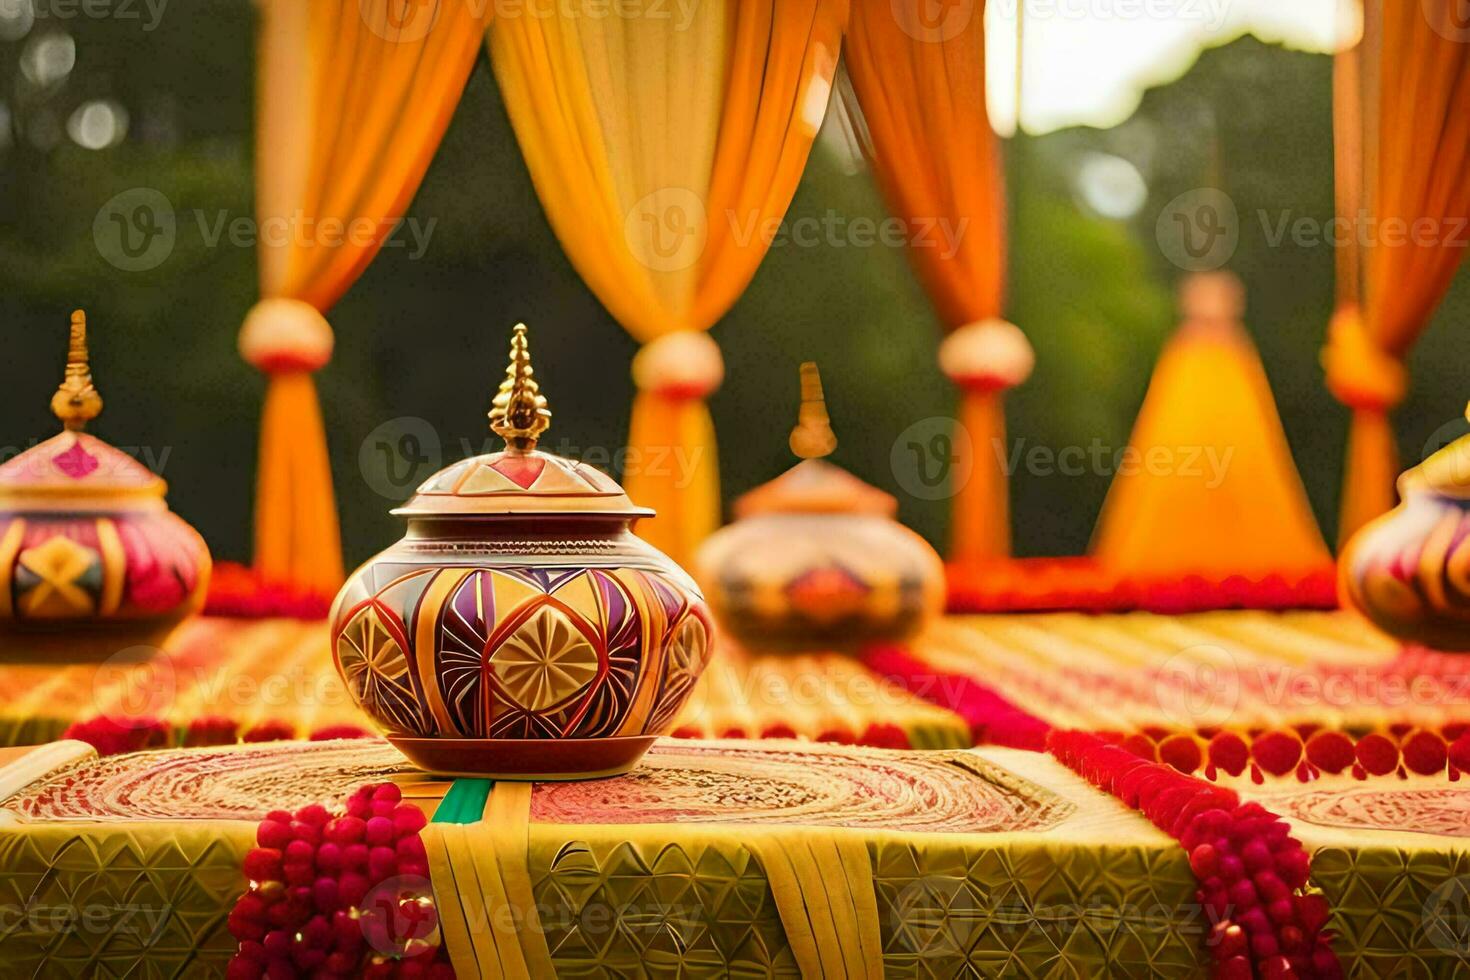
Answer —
339 895
992 719
238 592
876 735
112 737
1306 753
1252 873
1081 585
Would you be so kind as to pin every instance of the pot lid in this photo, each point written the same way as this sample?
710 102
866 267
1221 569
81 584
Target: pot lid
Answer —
76 470
1445 472
520 480
815 486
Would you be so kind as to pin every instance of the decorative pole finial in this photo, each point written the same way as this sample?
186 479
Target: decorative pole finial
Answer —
812 438
77 402
519 414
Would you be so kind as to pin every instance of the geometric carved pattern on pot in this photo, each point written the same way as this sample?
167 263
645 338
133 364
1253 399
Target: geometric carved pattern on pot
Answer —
372 656
687 650
547 661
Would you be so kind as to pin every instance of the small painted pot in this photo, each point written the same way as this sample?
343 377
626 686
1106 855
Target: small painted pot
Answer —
1408 571
520 630
93 564
816 562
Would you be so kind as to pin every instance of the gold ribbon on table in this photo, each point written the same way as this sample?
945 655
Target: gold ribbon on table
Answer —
822 880
487 911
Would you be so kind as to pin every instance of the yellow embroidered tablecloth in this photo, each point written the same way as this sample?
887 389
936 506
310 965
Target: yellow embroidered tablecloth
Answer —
1392 856
771 858
1127 672
278 674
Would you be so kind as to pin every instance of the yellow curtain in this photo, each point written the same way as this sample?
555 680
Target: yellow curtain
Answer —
353 97
1404 155
918 75
1207 485
665 142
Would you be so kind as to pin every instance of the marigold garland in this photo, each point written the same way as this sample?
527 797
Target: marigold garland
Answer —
342 894
1082 585
1252 873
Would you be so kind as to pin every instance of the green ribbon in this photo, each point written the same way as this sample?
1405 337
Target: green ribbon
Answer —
465 801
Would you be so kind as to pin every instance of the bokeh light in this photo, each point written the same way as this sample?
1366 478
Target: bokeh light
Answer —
98 124
48 59
1110 186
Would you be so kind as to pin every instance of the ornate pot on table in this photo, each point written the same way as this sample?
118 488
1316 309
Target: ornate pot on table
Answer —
1408 571
816 560
520 630
93 564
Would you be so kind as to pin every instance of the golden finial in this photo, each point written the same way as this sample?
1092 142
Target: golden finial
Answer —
76 402
812 438
519 414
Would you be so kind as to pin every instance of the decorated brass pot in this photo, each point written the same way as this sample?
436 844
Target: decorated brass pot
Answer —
816 560
93 564
520 630
1409 570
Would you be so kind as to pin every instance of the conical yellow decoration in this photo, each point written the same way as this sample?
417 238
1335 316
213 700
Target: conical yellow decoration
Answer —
1207 484
813 437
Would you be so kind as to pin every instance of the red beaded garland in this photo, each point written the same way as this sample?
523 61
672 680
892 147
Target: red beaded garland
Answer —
310 874
1251 871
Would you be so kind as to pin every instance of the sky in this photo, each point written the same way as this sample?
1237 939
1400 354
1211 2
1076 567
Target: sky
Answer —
1087 62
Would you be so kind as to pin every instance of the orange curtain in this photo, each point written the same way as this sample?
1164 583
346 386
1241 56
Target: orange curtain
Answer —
1411 76
664 143
353 97
918 76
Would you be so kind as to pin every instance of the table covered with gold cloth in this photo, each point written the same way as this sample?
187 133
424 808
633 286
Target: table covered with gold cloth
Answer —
773 858
714 858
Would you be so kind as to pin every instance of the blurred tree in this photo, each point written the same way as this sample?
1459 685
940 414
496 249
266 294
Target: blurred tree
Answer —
423 337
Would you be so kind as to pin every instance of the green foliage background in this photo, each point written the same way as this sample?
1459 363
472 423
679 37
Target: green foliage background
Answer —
426 338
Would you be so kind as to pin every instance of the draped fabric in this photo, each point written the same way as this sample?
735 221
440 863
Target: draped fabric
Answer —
919 83
1412 80
665 145
353 99
1207 485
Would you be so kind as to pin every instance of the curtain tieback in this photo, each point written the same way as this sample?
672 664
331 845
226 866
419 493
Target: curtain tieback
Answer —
683 365
987 355
283 335
1360 374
